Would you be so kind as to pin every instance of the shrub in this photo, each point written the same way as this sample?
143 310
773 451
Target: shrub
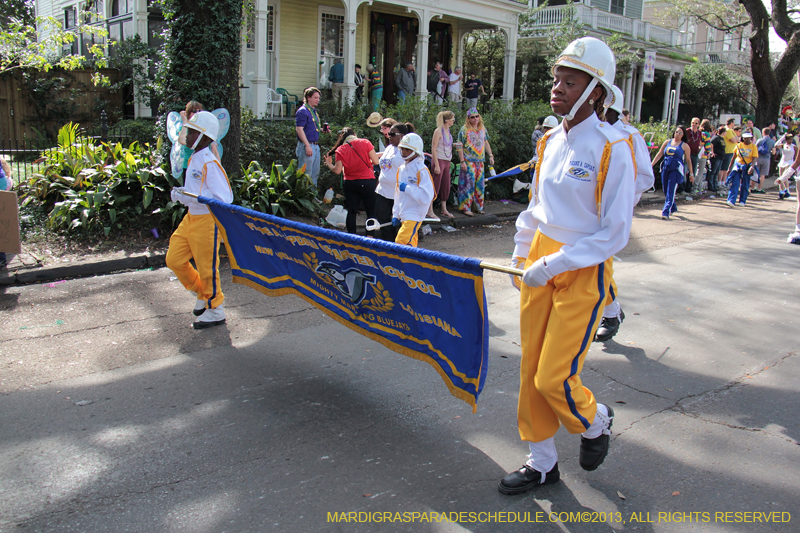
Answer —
279 192
91 187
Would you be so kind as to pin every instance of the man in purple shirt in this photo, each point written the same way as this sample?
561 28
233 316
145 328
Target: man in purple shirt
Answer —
308 129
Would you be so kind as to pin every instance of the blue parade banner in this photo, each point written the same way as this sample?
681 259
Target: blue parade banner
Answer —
426 305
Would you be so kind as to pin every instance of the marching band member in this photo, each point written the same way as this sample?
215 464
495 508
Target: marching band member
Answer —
197 236
578 219
414 192
612 314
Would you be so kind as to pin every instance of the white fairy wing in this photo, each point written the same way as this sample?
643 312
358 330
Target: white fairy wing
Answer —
174 125
178 160
224 123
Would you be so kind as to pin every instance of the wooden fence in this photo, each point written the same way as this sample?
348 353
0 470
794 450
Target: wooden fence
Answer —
20 115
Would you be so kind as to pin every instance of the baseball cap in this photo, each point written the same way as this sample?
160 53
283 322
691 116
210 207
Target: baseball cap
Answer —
746 135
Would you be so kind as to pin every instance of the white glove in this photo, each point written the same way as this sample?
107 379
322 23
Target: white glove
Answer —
788 173
537 274
516 262
175 194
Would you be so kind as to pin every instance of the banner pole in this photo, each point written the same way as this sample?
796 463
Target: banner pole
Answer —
487 266
500 268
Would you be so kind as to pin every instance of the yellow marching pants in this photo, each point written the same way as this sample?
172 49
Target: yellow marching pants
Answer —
408 233
557 324
612 292
197 237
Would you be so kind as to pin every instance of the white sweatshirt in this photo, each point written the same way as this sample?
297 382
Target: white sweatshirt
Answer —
644 168
565 208
412 204
390 162
206 177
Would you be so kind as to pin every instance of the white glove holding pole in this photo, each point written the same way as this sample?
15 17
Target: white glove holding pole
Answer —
516 262
177 196
537 275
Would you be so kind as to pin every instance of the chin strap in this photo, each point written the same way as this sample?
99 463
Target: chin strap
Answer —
581 100
197 141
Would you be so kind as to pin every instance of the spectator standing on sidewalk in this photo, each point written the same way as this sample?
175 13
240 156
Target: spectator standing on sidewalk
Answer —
442 152
473 88
454 88
695 141
718 149
732 132
375 87
308 127
766 148
707 154
406 81
5 185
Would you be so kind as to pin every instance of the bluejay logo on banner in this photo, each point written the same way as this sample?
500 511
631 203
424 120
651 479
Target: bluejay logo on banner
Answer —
426 305
352 282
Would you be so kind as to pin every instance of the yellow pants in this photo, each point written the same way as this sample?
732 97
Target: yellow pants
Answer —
407 234
612 293
557 324
197 238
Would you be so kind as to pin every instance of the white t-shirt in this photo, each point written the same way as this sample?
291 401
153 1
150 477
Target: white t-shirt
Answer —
455 87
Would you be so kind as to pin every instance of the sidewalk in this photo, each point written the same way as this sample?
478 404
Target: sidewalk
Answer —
24 268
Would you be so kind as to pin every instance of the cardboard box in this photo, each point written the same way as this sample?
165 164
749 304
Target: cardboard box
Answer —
9 223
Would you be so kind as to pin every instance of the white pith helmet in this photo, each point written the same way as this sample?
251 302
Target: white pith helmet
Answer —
412 141
206 123
595 58
550 122
616 105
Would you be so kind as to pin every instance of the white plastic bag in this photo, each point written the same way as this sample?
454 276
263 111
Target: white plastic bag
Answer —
337 217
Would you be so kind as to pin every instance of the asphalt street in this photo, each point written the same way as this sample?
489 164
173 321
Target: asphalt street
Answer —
116 416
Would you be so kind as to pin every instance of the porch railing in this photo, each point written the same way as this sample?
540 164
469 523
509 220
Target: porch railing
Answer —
599 19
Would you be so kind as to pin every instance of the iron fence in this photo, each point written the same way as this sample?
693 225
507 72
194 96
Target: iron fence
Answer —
27 157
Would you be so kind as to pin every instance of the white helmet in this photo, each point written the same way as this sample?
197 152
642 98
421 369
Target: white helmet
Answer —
550 122
206 123
616 105
412 141
595 58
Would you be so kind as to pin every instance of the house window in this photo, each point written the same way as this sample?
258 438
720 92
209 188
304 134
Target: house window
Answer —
727 41
332 35
270 27
617 7
711 36
121 7
70 22
742 43
331 42
250 25
93 11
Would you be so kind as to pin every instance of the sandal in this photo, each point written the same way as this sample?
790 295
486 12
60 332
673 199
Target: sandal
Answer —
467 212
447 214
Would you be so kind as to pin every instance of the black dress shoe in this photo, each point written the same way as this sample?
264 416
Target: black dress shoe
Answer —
594 451
609 327
525 479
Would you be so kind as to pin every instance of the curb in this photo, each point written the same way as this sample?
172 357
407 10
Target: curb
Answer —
82 270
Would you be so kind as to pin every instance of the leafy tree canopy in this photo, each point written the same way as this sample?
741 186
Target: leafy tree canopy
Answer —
707 85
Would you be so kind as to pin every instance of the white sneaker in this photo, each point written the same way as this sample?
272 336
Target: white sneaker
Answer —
730 204
199 307
211 317
741 204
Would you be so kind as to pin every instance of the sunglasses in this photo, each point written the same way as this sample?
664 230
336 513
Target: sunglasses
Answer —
395 134
475 116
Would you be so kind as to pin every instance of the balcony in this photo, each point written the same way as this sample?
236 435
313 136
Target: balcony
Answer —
726 57
603 20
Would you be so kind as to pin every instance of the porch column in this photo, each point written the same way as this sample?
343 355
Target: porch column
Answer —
460 55
349 89
667 89
422 60
639 88
510 67
628 87
260 83
141 109
677 98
